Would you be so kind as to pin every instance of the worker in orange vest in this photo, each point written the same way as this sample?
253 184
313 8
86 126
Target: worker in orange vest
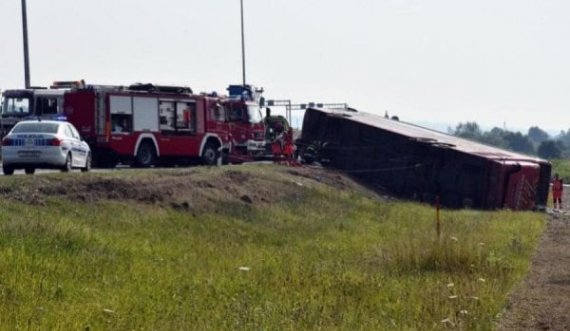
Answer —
557 189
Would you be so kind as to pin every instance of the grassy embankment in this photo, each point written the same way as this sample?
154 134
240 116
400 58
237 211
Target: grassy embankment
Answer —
320 259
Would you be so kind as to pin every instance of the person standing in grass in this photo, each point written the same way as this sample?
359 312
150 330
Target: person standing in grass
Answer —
557 189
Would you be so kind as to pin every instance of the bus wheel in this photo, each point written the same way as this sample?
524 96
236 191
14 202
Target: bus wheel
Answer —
146 155
210 154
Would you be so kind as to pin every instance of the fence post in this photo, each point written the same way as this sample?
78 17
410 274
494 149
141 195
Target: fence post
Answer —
437 219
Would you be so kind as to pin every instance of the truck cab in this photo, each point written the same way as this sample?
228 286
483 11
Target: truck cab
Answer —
30 103
246 124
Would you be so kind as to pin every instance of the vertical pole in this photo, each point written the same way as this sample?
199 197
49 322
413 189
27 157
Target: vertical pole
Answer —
289 116
437 220
26 50
242 44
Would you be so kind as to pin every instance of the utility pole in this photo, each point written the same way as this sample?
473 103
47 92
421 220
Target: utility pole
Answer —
242 44
26 50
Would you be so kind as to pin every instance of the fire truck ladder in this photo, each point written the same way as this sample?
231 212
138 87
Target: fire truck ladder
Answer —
160 88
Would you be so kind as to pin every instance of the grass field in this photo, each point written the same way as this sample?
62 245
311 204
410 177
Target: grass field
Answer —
320 259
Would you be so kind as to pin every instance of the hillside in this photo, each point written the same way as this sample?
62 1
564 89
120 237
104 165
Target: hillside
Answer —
247 247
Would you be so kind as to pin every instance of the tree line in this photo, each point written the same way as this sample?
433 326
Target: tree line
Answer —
535 142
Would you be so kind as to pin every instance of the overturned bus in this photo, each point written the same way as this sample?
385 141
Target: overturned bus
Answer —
421 164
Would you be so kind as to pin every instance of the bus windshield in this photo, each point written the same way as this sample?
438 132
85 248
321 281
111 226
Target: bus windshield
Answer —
254 114
16 106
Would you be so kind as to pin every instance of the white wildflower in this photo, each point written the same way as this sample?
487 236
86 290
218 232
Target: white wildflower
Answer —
244 268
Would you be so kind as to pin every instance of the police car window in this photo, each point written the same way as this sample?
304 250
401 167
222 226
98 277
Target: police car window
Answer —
68 132
36 128
75 133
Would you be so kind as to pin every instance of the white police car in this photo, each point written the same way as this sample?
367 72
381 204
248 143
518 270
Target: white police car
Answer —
44 144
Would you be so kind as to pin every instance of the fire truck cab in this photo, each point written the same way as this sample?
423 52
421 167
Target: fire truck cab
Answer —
246 123
29 103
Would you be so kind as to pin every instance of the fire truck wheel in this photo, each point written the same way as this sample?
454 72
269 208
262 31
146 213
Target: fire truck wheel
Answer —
87 164
146 155
68 164
8 170
210 154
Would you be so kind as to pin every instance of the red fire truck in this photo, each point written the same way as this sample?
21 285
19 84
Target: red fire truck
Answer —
146 125
245 123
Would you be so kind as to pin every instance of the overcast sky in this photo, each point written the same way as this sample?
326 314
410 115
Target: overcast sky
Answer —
497 62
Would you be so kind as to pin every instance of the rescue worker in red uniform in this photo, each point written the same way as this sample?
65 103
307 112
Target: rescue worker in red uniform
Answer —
557 189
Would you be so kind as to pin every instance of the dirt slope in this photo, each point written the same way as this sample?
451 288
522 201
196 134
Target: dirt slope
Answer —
542 302
197 189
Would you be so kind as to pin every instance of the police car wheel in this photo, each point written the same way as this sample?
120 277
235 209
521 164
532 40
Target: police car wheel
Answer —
68 165
8 170
87 164
30 170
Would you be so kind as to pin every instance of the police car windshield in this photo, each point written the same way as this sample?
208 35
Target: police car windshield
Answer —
254 113
36 128
16 106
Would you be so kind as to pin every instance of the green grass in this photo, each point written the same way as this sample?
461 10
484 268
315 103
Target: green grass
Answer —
329 261
562 168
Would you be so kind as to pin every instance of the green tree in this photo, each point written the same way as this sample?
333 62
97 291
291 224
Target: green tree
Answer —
549 149
519 143
469 130
537 135
495 137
